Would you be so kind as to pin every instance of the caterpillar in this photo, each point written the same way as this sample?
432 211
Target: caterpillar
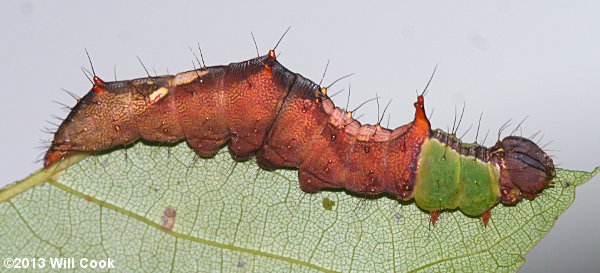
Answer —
260 108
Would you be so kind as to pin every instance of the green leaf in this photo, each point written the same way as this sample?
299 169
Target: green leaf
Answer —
235 216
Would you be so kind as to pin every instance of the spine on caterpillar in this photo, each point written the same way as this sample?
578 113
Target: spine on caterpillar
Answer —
259 108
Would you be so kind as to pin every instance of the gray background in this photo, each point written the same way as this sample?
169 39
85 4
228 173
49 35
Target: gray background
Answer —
506 59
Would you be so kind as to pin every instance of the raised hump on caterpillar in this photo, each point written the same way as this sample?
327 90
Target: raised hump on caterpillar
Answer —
259 108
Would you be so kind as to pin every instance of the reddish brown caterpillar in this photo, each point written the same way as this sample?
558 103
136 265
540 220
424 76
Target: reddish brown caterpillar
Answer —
259 108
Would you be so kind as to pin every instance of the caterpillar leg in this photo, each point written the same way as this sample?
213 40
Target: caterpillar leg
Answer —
485 217
264 160
271 156
435 215
205 148
310 183
240 155
268 159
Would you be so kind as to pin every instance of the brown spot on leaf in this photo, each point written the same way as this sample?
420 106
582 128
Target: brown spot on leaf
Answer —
168 218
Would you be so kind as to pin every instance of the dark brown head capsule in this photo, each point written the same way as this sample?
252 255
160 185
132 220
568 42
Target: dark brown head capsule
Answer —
525 169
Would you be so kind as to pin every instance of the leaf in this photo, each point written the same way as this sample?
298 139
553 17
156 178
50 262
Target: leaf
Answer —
235 216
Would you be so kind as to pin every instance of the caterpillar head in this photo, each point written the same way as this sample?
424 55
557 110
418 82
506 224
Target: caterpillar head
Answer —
525 169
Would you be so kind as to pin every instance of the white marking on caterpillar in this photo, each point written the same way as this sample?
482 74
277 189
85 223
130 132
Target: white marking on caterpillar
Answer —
157 95
187 77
